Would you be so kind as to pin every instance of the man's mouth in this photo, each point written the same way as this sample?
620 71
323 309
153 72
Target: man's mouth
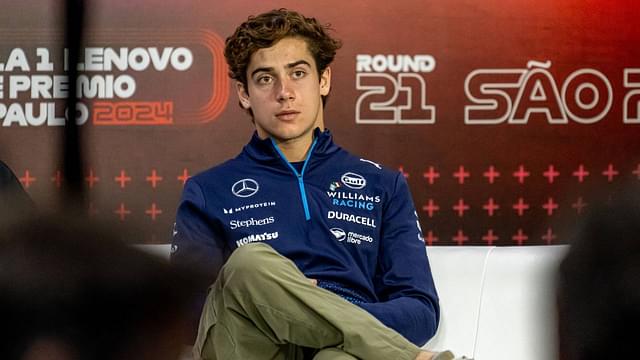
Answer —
287 115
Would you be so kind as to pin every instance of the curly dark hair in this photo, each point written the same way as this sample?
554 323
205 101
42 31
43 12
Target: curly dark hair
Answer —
264 30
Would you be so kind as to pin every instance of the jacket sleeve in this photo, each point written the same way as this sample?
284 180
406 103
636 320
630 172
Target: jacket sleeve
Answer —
408 299
196 242
196 245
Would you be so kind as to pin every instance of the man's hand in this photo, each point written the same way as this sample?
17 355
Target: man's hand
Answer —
445 355
425 355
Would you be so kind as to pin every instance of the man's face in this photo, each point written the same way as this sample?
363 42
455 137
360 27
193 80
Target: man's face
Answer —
284 91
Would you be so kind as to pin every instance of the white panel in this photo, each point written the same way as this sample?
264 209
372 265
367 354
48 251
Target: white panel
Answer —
518 314
457 273
160 250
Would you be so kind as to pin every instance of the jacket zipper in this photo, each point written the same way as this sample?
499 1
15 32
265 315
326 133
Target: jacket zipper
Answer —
299 175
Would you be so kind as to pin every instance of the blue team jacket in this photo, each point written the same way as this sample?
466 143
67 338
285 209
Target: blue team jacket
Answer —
343 220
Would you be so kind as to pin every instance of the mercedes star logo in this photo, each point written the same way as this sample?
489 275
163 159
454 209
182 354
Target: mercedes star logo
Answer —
245 188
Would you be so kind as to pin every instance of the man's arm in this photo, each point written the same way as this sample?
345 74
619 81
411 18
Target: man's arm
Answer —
195 244
408 299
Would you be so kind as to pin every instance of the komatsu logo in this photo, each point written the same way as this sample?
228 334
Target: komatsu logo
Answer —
353 180
256 238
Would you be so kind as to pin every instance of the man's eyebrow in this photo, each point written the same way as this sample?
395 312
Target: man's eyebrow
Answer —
289 66
262 69
299 62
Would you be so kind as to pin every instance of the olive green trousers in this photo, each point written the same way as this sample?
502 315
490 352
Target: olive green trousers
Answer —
262 307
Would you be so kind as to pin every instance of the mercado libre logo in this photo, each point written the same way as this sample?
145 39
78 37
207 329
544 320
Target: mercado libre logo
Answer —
125 77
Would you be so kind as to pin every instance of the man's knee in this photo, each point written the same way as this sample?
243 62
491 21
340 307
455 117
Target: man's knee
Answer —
247 264
249 258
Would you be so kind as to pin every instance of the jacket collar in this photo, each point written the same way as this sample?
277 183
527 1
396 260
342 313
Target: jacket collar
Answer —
262 150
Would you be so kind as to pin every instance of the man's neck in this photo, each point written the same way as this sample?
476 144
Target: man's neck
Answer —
295 150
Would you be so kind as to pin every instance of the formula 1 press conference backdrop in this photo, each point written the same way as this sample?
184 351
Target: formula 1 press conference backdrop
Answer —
504 116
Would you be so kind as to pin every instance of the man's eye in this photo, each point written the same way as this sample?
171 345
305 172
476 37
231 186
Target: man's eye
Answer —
299 74
265 80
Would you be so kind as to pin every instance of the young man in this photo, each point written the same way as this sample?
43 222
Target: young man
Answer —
315 252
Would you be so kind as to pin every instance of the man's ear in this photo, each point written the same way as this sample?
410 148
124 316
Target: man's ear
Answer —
325 81
243 95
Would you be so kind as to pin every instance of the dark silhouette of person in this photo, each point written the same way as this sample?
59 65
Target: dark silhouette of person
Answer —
599 283
69 291
14 200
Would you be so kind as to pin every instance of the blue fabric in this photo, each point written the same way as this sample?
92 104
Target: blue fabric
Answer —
362 241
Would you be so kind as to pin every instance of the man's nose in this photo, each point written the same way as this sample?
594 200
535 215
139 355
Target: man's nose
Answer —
285 91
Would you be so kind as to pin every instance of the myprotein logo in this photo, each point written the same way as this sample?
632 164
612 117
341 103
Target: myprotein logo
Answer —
236 224
353 180
393 89
235 210
113 82
245 188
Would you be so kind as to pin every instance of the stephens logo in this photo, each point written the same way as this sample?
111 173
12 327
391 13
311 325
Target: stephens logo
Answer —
116 85
353 180
234 224
245 188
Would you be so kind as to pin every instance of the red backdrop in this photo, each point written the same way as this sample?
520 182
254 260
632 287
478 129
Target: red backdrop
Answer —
505 116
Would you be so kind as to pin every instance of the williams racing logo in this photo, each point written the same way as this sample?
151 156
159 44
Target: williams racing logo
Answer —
393 89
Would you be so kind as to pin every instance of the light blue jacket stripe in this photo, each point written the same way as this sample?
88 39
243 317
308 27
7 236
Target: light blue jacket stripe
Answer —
300 176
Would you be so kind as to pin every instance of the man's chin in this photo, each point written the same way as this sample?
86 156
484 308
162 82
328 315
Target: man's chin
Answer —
287 135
